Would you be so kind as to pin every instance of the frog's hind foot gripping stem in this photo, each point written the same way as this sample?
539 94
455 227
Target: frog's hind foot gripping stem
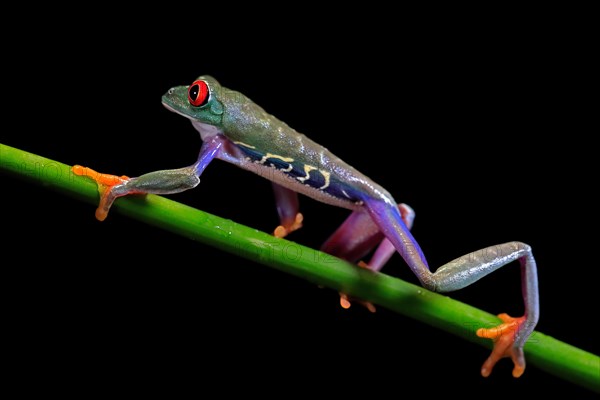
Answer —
346 301
503 336
356 238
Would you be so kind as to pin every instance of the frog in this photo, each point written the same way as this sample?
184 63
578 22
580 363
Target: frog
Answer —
236 130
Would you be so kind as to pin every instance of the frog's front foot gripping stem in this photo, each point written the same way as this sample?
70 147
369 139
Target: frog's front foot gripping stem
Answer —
157 182
105 184
289 226
287 208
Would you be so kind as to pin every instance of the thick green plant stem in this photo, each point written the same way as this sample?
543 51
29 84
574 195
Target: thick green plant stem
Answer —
545 352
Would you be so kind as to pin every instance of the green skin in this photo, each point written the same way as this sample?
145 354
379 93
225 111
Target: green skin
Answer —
239 119
236 130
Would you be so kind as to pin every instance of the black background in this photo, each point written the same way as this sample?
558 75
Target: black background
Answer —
480 128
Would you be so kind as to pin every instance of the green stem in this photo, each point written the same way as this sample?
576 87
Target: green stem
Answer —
547 353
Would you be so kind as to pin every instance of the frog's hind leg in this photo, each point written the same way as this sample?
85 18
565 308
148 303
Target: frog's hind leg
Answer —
510 336
357 237
158 182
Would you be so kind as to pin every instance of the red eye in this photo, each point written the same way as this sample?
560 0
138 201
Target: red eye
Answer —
198 93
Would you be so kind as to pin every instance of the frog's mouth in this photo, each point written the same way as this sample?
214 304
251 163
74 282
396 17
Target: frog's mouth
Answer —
176 100
168 106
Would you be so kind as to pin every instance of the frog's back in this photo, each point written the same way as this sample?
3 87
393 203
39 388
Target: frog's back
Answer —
266 140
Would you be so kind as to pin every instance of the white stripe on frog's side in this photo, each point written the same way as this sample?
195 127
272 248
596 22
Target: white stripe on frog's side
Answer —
264 159
307 169
281 177
269 155
289 160
327 177
245 145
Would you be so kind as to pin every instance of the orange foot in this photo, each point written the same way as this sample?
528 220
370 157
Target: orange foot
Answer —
345 303
105 183
345 299
503 336
283 230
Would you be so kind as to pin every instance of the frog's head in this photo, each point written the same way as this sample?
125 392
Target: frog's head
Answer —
198 101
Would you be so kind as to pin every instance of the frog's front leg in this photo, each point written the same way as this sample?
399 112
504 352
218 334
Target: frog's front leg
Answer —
510 336
158 182
357 237
287 204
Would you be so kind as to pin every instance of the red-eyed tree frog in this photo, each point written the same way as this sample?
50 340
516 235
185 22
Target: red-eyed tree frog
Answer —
236 130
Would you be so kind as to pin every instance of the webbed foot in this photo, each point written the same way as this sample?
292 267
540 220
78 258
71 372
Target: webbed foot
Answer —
503 336
105 184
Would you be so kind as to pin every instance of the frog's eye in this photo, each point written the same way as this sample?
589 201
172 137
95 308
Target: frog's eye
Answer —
198 93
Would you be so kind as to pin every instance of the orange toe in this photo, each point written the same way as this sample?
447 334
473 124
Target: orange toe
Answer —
102 179
283 230
345 302
280 232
